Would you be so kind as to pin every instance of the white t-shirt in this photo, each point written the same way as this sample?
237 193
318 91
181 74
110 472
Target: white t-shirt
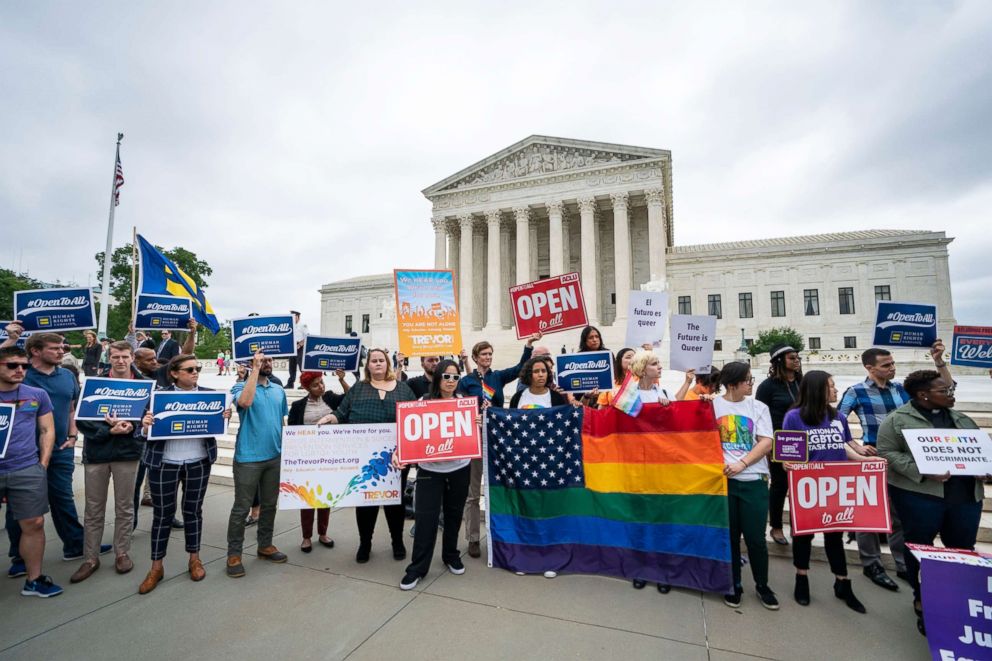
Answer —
740 424
652 395
300 332
529 400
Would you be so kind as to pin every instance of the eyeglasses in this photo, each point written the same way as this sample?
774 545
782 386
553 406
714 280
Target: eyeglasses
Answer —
450 377
190 370
948 391
16 366
749 381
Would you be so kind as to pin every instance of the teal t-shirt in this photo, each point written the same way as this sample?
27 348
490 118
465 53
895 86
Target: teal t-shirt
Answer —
260 431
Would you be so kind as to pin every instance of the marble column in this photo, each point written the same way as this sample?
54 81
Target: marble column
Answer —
621 255
466 265
506 275
657 237
440 243
493 288
454 248
590 270
556 238
522 215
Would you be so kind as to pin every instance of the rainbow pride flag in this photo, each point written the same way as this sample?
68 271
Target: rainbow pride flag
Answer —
487 392
599 492
627 399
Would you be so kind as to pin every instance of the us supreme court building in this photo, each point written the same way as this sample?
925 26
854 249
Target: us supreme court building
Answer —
546 206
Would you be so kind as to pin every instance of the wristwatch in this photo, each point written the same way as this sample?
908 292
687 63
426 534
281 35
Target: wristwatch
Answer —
72 436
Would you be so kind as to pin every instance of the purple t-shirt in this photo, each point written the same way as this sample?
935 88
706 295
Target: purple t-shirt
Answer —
22 450
827 442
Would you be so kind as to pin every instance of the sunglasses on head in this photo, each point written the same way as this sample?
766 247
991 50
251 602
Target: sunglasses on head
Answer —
190 370
450 377
16 366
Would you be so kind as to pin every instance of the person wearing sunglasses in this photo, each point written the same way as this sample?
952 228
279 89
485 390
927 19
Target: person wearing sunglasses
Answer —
928 505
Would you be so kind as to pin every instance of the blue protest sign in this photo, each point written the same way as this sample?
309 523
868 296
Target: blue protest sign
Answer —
6 426
21 341
972 346
188 414
55 310
905 324
582 372
154 312
326 354
126 399
271 334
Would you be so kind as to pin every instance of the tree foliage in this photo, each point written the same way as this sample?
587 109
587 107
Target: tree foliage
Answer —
782 335
9 283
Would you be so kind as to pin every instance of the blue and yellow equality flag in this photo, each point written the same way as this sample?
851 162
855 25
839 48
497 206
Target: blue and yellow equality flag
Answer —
159 275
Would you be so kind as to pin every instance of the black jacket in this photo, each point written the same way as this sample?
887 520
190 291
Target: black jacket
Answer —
155 450
778 396
102 447
169 351
420 385
298 407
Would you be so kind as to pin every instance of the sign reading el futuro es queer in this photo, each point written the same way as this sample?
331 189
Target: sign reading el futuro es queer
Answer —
272 334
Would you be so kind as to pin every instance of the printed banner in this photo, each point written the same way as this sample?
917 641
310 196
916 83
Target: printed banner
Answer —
194 414
790 446
692 343
154 312
427 313
548 306
957 451
6 427
21 341
840 495
126 399
646 318
271 334
972 346
338 466
326 354
583 372
55 310
905 324
437 430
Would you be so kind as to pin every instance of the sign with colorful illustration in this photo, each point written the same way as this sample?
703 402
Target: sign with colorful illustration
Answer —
271 334
126 399
427 313
972 346
548 306
437 430
155 312
583 372
790 446
954 451
55 310
6 426
338 466
905 324
326 354
840 495
188 414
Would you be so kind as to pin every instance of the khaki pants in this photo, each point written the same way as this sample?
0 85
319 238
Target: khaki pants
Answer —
472 515
97 482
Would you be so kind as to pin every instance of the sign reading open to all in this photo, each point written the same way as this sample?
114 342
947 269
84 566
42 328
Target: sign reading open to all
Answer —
548 306
437 430
841 495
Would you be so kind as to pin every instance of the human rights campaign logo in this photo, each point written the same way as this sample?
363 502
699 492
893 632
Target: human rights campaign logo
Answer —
325 354
181 414
905 324
585 371
62 309
126 399
154 312
271 334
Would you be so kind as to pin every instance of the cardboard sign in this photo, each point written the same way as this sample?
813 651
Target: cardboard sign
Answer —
6 426
790 446
646 318
338 466
582 372
437 430
21 341
154 312
957 451
841 495
126 399
55 310
905 324
427 320
692 343
271 334
548 306
188 414
326 354
972 346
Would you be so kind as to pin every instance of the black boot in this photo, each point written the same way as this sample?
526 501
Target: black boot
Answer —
801 592
364 551
843 590
399 549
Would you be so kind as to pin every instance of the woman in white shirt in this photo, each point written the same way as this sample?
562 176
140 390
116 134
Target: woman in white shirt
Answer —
538 393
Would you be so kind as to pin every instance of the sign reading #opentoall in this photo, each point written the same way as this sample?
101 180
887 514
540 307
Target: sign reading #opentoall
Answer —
972 346
271 334
154 312
437 430
21 341
326 354
840 495
548 306
188 414
126 399
63 309
582 372
6 427
905 324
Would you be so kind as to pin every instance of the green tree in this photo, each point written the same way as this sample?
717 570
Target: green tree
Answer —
209 344
782 335
9 283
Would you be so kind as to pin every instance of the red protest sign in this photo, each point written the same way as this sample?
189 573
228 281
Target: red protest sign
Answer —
437 430
842 495
548 306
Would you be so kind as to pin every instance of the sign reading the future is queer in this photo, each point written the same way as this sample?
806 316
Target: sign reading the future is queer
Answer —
271 334
56 310
692 342
905 324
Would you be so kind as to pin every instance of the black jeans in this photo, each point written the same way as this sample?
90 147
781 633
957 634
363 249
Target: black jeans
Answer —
366 516
777 493
437 492
833 544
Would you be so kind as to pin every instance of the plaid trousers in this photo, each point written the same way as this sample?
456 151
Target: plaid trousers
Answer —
164 482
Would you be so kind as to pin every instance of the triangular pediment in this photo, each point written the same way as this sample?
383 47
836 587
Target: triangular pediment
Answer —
540 156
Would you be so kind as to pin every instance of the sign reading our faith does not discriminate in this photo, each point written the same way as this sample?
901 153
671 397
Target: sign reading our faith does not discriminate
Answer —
155 312
62 309
326 354
188 414
272 334
126 399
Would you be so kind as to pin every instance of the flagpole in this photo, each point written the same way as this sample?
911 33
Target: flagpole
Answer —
134 269
101 329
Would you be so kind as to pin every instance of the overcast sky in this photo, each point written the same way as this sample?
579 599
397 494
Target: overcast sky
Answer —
287 144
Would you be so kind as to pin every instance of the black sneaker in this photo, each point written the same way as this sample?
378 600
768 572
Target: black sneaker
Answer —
410 581
456 567
767 597
734 599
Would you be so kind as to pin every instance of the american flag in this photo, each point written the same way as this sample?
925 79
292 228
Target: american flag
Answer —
118 179
535 448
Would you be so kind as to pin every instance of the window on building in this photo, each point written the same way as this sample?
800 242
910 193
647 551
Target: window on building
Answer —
685 304
717 345
613 297
850 342
745 305
714 307
814 344
365 323
811 302
883 293
749 342
347 323
846 300
778 303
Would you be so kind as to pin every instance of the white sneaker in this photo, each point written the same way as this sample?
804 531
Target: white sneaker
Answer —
550 574
519 573
409 582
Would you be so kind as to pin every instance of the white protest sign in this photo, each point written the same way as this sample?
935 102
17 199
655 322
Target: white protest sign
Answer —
692 342
958 451
646 318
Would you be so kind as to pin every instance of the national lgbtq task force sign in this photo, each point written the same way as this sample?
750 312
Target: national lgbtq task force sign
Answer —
55 310
271 334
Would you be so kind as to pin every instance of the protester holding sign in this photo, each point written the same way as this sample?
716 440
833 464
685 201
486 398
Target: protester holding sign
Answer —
706 386
929 505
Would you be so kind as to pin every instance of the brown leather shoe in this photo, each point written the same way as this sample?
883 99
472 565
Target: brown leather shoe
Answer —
146 501
196 570
85 571
151 581
272 554
234 567
123 564
474 550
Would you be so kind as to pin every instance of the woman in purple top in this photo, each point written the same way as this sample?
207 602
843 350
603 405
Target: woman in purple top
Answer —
829 439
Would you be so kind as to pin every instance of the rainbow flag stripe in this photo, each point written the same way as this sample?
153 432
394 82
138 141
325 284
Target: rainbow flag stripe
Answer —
487 391
642 497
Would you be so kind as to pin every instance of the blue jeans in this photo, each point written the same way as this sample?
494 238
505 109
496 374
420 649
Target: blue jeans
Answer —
62 504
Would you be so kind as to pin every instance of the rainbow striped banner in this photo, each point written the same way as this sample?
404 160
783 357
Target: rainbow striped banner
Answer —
599 492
